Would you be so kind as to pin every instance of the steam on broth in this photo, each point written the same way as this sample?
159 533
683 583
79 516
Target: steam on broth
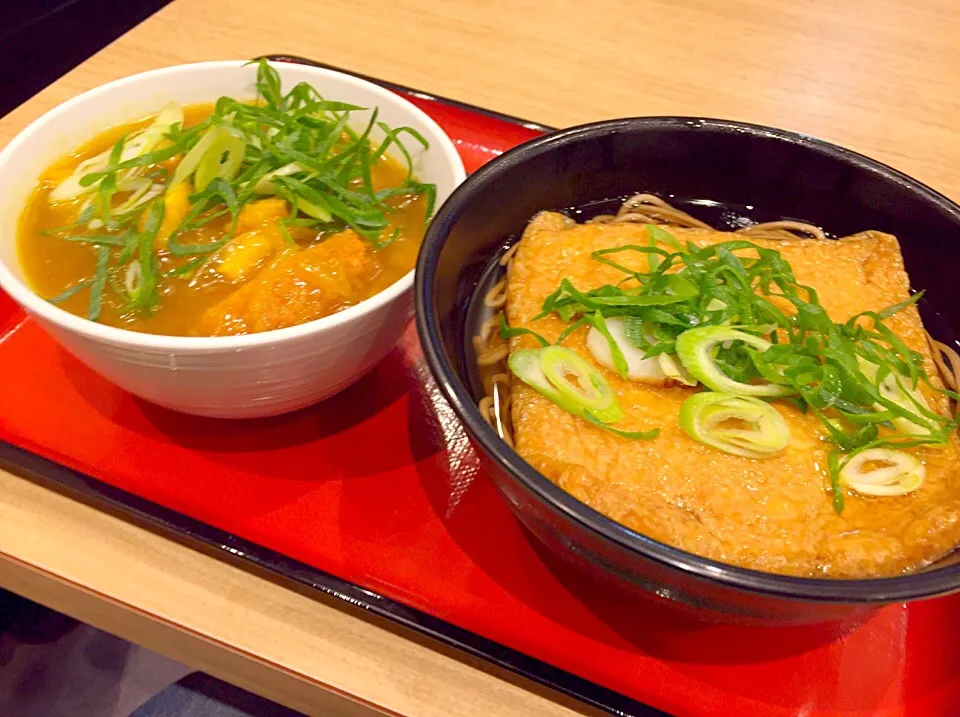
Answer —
228 218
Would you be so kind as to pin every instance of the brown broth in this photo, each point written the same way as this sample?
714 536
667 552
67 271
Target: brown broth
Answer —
52 265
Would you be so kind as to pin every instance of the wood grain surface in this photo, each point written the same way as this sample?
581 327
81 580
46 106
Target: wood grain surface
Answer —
312 655
881 77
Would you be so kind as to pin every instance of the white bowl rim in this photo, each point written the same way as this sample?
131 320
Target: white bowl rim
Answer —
34 304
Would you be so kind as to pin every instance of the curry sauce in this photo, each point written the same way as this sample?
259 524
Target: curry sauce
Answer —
272 272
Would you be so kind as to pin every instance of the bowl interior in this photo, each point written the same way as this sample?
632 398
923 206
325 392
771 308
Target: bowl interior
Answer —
768 173
71 124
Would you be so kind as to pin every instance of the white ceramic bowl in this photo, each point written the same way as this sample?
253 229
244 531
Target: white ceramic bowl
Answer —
231 376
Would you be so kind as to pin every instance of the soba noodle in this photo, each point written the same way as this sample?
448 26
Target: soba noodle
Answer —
948 362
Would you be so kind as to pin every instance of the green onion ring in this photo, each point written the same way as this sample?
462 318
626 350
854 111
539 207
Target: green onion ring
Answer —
694 349
764 435
899 473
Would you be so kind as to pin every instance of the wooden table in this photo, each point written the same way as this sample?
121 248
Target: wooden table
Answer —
880 77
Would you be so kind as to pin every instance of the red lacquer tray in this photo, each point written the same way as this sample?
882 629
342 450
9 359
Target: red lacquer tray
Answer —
376 497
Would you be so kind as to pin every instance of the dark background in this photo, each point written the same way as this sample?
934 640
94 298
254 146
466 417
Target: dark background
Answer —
42 39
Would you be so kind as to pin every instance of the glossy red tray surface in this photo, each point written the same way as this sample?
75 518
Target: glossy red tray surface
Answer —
379 487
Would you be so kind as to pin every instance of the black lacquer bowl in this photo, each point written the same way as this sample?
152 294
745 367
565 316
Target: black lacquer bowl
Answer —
778 174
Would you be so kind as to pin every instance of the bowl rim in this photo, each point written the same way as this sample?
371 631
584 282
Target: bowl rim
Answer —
23 295
917 585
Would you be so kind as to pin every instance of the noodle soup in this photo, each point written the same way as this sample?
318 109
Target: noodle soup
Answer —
766 397
228 218
283 208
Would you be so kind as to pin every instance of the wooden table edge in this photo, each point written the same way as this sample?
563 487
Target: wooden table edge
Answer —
43 568
179 642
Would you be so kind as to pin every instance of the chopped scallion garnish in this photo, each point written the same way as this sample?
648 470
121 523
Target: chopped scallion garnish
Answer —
717 312
98 283
883 472
741 425
297 145
695 349
570 382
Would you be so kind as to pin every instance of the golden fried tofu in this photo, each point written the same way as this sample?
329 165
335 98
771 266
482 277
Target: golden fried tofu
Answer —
244 255
300 285
263 211
773 515
176 206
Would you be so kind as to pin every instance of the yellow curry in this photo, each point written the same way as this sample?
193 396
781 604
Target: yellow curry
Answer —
285 214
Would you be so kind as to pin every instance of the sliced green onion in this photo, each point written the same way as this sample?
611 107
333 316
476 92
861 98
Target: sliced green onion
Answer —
636 366
135 146
219 153
893 387
661 236
142 191
632 435
525 365
223 159
98 283
508 332
268 83
70 188
717 313
76 288
265 184
653 259
529 366
657 369
614 353
108 186
672 368
836 488
192 158
695 350
673 289
218 189
146 296
133 280
588 389
305 198
759 431
170 114
298 145
893 473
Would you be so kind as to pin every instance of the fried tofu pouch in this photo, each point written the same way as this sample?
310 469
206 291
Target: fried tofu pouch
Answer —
300 285
772 515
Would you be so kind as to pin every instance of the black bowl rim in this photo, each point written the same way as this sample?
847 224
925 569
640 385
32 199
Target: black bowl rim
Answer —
918 585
